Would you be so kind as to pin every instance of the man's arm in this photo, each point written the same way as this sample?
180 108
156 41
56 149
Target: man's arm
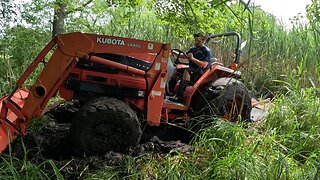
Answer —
205 61
201 64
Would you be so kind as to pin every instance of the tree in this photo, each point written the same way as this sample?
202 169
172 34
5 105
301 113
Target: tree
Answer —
7 13
61 11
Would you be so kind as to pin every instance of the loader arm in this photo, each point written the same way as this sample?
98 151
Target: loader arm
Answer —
18 108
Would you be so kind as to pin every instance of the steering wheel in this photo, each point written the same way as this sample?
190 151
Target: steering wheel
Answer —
178 53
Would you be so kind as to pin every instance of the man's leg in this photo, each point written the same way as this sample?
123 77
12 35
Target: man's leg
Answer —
183 83
173 81
195 74
182 87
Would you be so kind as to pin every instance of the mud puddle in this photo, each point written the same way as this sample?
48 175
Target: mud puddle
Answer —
52 142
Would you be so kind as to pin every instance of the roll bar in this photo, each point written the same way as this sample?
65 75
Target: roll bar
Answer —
237 50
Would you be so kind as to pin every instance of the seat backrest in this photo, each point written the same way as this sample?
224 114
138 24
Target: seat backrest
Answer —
216 62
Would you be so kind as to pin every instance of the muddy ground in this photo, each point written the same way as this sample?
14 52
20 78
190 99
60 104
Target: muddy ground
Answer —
52 142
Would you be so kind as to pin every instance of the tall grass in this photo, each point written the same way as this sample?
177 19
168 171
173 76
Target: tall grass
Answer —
277 51
23 168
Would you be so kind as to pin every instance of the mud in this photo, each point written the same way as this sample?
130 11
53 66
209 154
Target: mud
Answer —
52 142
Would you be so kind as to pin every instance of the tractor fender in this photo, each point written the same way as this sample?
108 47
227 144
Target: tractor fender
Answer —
224 81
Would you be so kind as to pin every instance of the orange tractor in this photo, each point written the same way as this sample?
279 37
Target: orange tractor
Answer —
121 82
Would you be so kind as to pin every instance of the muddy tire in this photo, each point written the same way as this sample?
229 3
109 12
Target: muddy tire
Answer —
225 97
105 124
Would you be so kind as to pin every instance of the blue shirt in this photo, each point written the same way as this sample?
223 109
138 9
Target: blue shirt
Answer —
202 54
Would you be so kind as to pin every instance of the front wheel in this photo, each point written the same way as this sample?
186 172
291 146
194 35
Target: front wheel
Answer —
105 124
225 97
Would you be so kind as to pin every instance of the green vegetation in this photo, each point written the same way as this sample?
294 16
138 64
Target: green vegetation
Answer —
279 61
15 168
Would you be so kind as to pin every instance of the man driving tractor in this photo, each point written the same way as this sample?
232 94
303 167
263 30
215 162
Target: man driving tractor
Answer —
200 60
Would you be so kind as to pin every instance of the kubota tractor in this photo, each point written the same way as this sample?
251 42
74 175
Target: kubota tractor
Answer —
121 82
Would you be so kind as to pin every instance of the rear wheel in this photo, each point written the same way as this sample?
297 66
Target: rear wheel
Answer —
225 97
105 124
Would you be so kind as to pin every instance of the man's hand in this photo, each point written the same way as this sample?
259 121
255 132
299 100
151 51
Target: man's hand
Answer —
190 56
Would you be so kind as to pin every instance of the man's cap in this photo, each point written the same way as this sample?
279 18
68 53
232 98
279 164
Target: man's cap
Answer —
198 35
204 36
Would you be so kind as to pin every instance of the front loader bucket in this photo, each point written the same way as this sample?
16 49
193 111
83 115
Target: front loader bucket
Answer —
11 123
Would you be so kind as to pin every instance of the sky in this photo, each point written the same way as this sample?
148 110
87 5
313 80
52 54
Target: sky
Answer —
283 9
